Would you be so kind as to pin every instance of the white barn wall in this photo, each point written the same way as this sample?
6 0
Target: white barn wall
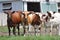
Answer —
41 0
25 6
36 0
3 19
0 7
18 5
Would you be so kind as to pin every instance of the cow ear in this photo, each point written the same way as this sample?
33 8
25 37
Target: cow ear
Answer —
22 13
6 12
49 14
31 12
13 12
47 11
54 12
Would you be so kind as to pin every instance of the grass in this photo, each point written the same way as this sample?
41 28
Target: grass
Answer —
41 37
30 37
3 29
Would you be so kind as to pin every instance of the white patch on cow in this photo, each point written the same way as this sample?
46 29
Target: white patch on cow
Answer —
40 14
22 15
26 12
37 13
56 15
56 18
30 27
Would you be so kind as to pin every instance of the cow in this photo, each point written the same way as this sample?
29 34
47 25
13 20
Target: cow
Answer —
45 18
14 18
25 20
36 22
31 18
55 21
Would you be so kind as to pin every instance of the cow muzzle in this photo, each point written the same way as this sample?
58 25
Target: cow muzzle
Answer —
25 21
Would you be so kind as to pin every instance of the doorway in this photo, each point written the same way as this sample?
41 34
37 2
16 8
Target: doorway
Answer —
33 6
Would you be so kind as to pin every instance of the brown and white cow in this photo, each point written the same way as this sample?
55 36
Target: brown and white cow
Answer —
31 18
45 18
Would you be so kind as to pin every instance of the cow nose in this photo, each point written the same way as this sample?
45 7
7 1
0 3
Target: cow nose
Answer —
52 17
25 21
25 18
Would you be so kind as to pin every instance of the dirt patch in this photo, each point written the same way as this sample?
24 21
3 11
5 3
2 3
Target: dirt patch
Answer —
42 32
3 33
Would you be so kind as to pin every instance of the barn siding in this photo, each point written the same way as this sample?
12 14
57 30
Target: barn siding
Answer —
48 7
36 0
41 0
25 6
5 0
0 7
22 5
18 5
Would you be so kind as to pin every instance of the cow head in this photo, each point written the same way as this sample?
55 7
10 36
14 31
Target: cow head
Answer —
9 13
25 14
44 17
50 14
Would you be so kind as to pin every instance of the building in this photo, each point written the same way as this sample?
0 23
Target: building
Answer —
28 5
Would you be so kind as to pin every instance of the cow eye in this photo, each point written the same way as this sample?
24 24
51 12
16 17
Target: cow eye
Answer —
22 13
52 17
29 13
6 12
13 12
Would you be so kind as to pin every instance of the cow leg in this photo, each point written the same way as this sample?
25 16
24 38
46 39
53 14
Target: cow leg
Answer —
9 30
18 30
57 28
40 30
35 30
14 31
24 30
51 29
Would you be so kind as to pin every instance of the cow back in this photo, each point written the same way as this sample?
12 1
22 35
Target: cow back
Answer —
16 17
